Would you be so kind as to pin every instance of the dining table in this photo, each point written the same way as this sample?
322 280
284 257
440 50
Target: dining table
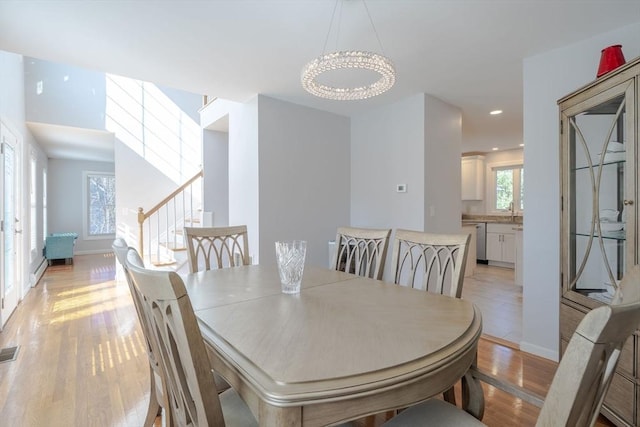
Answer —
345 347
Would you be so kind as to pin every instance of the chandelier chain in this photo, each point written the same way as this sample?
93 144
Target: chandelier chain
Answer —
326 40
348 60
373 26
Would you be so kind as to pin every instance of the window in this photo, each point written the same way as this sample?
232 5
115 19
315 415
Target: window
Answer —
100 205
508 187
33 232
44 203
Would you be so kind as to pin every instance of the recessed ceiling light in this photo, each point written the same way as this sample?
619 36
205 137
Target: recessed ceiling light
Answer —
521 145
495 112
495 148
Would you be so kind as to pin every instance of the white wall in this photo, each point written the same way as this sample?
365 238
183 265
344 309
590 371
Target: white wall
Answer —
138 184
304 188
243 171
548 77
215 186
70 96
12 113
65 201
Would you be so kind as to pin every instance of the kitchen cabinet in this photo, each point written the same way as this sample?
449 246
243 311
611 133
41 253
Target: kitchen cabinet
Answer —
501 244
598 230
472 168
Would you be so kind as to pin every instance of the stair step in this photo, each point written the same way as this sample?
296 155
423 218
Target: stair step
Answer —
163 263
175 247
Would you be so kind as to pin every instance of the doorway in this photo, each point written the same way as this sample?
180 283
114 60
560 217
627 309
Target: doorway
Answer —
10 226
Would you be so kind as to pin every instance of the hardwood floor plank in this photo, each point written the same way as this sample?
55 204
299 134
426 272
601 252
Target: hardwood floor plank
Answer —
82 360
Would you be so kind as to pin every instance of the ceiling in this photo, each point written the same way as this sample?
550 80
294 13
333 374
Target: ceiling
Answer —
468 53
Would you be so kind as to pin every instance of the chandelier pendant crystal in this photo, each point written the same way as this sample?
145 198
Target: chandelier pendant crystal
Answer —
350 59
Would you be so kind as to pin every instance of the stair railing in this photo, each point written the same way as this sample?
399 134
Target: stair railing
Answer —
165 221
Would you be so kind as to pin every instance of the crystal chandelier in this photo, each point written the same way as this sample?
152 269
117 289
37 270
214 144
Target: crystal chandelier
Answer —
352 59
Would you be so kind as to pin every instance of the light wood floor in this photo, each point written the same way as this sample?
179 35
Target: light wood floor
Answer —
82 362
494 292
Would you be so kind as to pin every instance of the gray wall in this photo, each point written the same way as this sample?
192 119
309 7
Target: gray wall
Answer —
304 177
288 175
416 142
388 148
65 204
547 78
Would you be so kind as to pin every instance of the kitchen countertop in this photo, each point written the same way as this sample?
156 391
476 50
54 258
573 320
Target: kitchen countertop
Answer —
503 219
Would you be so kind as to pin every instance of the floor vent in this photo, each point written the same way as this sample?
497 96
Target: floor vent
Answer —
8 354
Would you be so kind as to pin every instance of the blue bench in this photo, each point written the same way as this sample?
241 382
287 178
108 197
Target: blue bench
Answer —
60 246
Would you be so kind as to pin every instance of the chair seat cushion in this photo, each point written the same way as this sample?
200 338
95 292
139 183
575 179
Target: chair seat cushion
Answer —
433 412
236 412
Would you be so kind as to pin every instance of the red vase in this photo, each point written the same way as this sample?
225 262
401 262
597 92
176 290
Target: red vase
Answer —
610 59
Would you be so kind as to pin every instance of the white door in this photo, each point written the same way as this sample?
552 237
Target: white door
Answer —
10 225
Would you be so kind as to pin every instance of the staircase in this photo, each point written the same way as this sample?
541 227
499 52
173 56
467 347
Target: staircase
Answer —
160 229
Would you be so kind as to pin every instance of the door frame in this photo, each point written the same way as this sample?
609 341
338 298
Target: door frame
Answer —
18 240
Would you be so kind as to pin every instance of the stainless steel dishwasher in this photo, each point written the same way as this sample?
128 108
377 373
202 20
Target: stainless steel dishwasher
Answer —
481 242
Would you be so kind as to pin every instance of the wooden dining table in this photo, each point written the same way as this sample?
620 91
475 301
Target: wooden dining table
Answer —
344 347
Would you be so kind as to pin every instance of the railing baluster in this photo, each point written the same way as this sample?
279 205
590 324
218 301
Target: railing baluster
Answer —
156 213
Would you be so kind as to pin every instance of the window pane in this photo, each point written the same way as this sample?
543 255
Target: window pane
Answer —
504 188
44 202
33 210
102 197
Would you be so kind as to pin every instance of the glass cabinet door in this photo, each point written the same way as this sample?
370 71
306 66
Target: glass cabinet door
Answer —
598 192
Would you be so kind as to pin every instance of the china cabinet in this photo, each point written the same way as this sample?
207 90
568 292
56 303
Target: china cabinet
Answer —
599 238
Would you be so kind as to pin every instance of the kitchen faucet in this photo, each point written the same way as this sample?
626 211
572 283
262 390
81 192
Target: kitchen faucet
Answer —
512 209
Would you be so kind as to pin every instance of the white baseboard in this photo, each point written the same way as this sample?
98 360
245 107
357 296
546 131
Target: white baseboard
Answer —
93 252
37 275
539 351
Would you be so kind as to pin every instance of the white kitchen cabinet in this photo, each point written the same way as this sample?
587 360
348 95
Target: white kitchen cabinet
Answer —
501 244
472 168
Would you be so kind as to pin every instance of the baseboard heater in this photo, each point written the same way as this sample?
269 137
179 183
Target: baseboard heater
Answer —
35 277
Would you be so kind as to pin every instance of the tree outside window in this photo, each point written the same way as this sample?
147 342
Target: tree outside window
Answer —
509 188
100 204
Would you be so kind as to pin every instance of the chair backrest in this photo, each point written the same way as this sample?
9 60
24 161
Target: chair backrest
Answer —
361 251
216 247
589 362
431 262
121 250
191 388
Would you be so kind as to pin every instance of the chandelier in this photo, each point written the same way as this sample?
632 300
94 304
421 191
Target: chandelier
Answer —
350 59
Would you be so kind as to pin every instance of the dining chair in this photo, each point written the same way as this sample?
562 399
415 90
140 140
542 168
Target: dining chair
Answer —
431 262
216 247
191 388
157 394
579 384
361 251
